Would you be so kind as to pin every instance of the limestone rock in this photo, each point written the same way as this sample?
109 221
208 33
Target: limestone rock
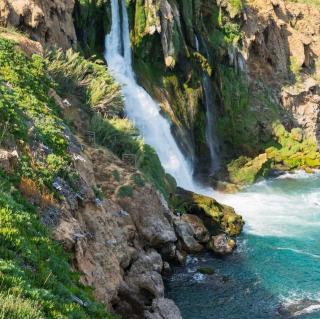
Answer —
200 232
186 233
215 216
222 244
163 308
149 216
8 160
49 22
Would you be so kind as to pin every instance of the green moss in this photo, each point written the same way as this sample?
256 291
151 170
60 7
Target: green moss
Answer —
216 216
295 69
206 270
236 7
293 150
140 21
245 170
92 22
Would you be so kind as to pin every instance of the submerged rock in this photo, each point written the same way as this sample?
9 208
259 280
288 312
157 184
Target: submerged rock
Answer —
298 308
206 270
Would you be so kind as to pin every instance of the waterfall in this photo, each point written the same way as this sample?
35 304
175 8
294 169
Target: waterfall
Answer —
140 107
211 132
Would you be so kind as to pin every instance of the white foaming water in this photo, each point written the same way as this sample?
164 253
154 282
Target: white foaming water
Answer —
140 107
273 211
265 210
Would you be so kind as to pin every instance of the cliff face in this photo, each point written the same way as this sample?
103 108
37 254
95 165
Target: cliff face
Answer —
262 62
281 48
49 22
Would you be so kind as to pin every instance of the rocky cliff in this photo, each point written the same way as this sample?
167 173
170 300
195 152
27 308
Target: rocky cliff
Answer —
64 174
269 49
49 22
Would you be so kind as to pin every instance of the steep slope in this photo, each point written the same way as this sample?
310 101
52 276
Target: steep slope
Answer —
64 174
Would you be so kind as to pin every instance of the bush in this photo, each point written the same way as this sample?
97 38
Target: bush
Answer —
75 73
120 136
125 191
36 280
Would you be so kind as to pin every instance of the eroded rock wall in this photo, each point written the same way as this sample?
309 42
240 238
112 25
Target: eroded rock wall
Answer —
49 22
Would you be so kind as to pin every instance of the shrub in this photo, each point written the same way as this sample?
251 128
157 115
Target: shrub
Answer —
295 68
75 73
125 191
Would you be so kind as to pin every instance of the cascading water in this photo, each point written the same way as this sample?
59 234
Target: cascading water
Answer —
278 256
139 105
211 132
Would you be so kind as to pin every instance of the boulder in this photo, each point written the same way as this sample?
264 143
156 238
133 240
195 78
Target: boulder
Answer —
299 308
200 232
8 160
222 244
163 308
216 217
186 235
149 216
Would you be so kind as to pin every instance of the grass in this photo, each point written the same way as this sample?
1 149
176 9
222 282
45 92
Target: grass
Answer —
88 79
125 191
36 280
121 137
35 276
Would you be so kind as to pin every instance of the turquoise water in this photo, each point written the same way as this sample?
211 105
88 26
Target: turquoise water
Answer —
277 260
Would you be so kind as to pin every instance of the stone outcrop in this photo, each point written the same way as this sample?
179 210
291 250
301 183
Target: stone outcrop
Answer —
8 160
49 22
217 217
281 43
222 244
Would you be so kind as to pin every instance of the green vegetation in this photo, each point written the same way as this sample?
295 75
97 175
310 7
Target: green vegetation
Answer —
295 69
125 191
92 22
120 136
116 175
87 79
36 280
236 7
138 180
35 276
24 103
293 150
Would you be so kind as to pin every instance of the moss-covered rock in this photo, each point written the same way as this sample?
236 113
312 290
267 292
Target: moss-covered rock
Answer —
206 270
217 217
245 170
294 150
